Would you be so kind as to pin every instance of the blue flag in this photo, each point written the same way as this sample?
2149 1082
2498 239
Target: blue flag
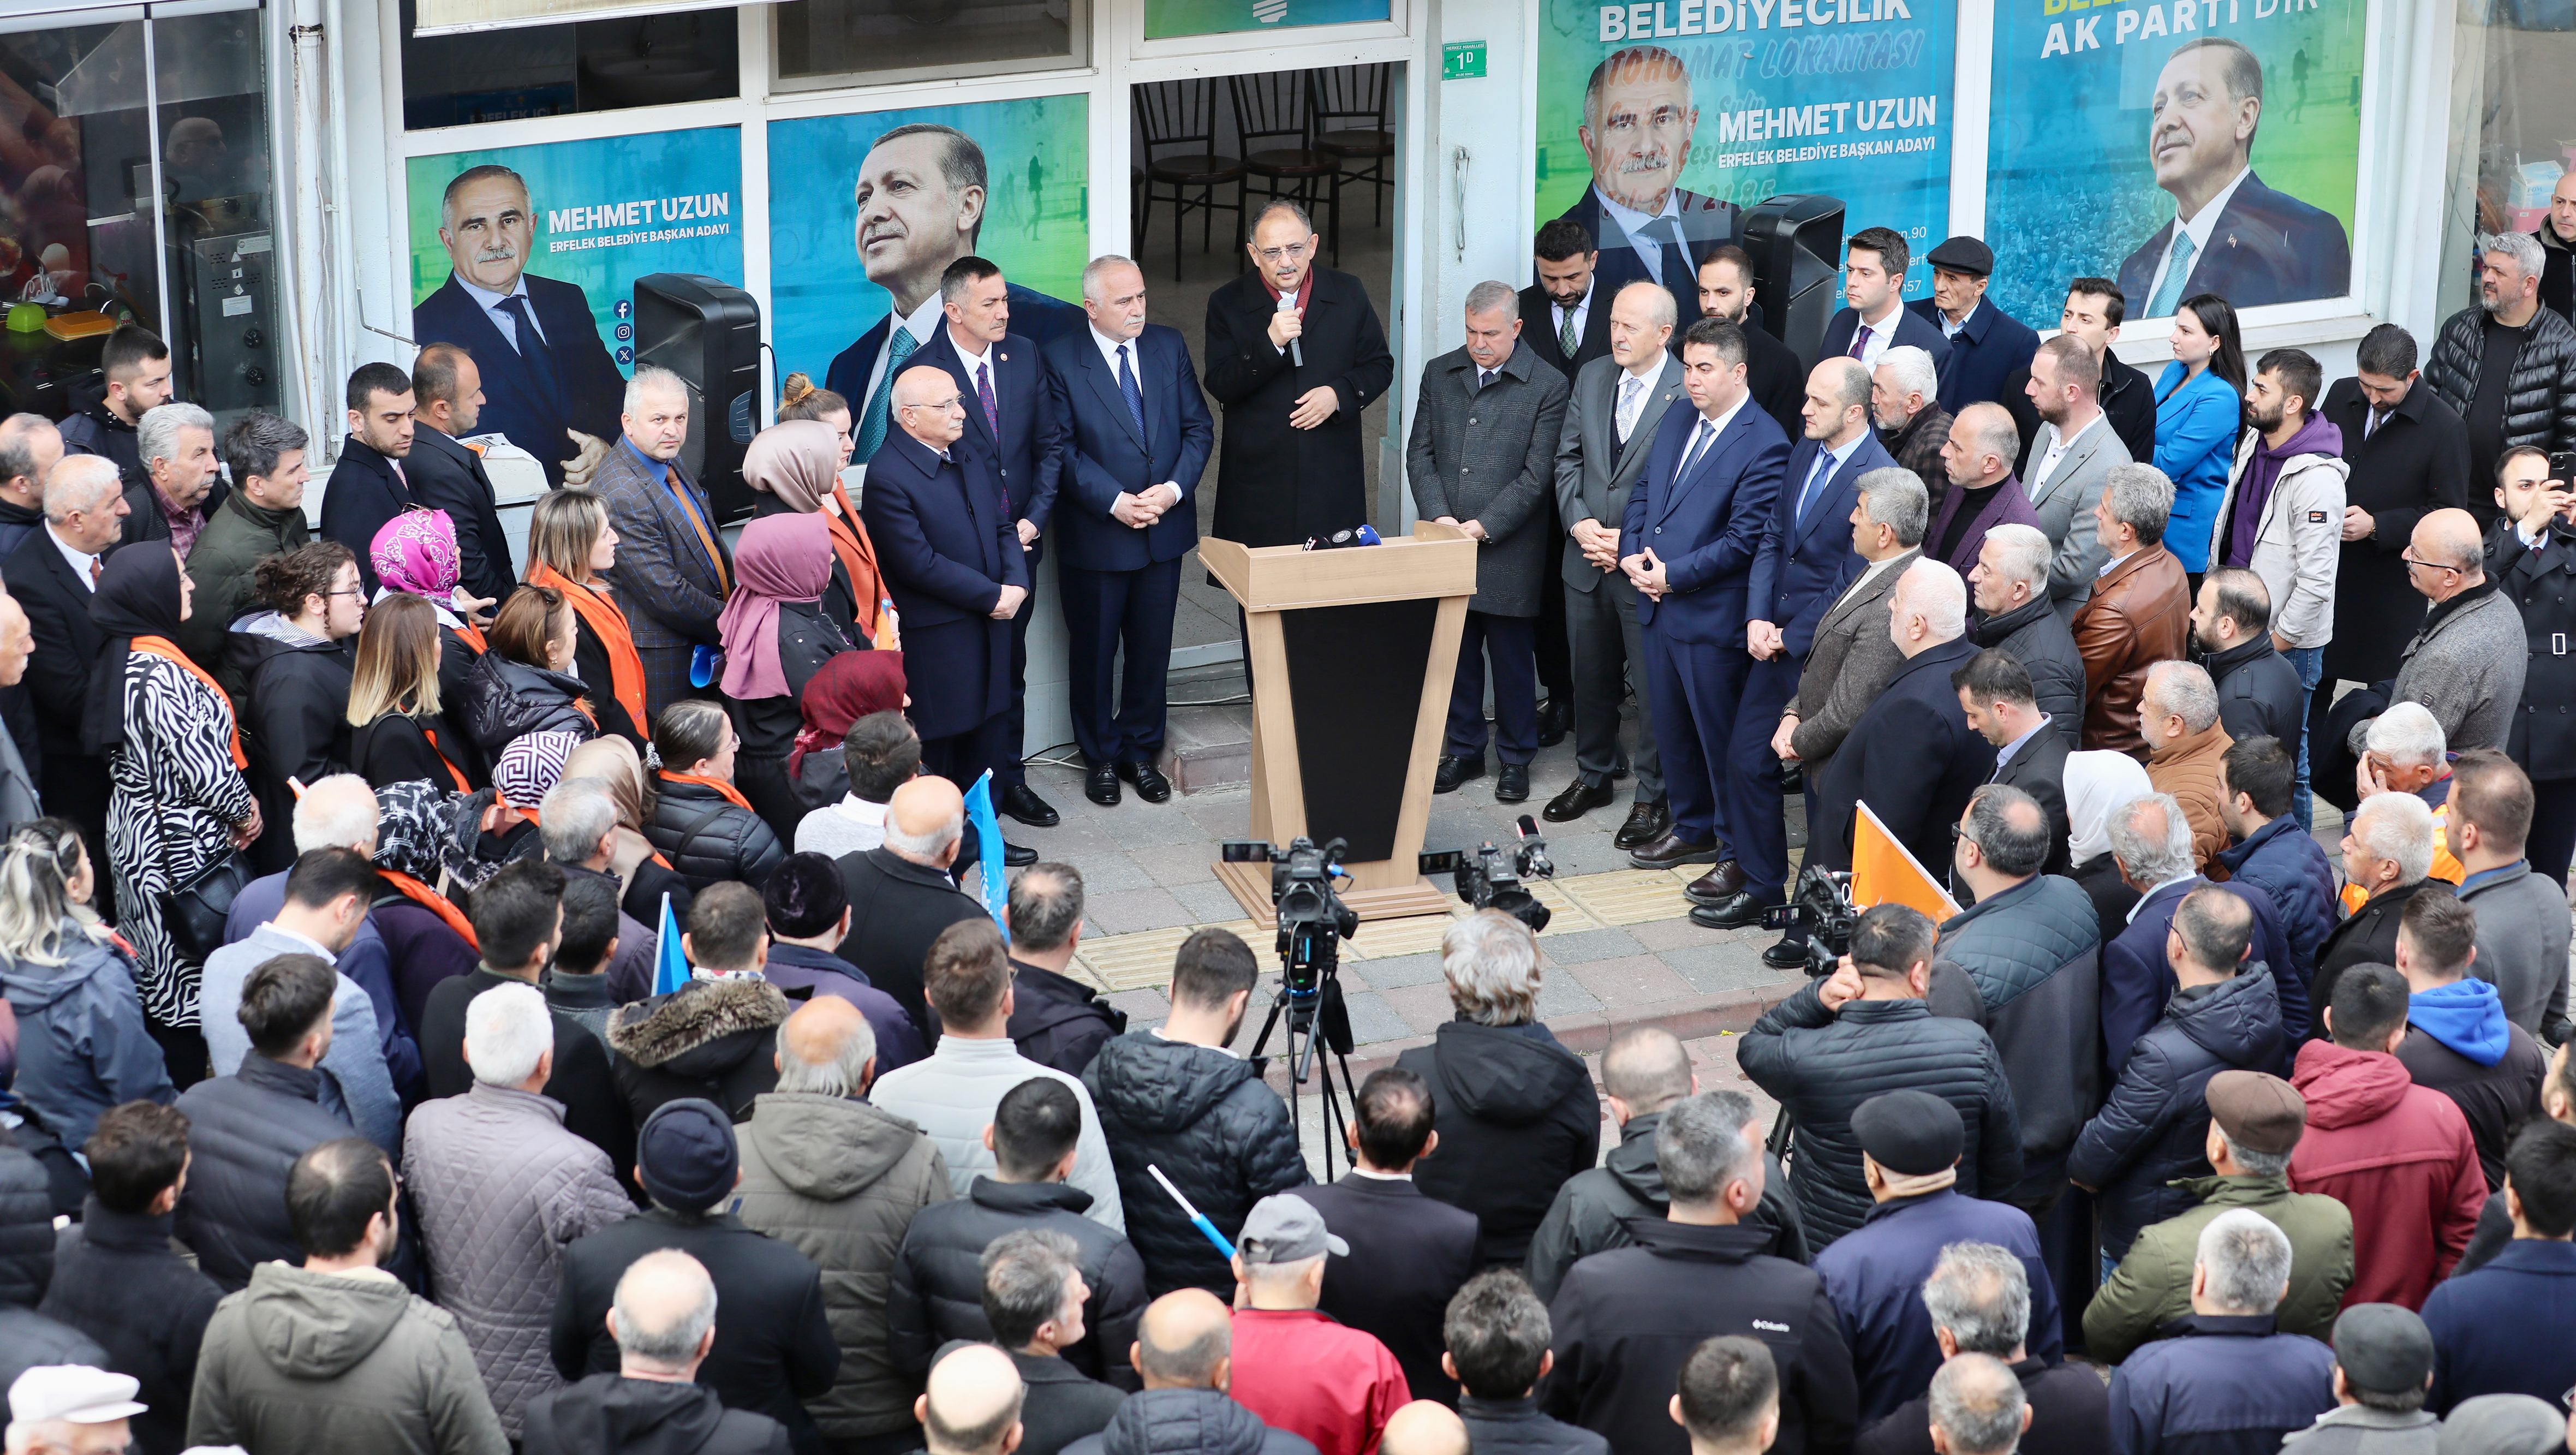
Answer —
670 966
988 849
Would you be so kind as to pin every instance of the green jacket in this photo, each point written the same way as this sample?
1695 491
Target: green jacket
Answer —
2152 1285
223 565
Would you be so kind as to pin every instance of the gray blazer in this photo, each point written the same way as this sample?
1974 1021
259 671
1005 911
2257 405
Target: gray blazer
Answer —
2065 506
1851 662
1482 455
1593 473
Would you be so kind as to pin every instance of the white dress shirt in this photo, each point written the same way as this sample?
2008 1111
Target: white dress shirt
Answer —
1650 250
1882 335
1109 348
80 560
490 302
2058 445
1581 311
2198 230
1710 431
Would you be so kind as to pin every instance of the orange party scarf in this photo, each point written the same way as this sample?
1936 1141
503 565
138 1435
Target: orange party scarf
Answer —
168 650
858 556
732 794
430 899
625 668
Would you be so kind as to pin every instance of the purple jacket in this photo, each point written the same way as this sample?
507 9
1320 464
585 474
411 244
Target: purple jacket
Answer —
794 968
2010 506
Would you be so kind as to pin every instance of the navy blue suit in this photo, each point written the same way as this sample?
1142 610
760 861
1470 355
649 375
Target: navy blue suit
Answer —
1028 459
1034 316
364 493
1707 529
1988 350
947 547
1805 562
2137 980
586 393
1910 329
1120 584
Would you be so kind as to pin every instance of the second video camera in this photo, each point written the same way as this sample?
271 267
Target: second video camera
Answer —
1823 904
1491 878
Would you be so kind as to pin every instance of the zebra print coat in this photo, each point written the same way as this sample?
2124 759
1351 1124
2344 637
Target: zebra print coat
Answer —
176 797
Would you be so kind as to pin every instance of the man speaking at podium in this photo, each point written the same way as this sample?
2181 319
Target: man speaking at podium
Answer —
1294 354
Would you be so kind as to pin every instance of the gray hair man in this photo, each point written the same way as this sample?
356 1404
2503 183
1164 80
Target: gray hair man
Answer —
2151 840
671 569
2240 1271
1852 654
2178 713
177 442
2009 586
1983 493
2387 853
1904 402
2139 612
1480 459
2507 327
1979 1297
579 824
1978 1407
71 1409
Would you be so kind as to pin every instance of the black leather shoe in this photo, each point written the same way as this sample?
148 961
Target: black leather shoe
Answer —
1578 799
1101 786
1670 852
1016 855
1733 913
1646 823
1454 771
1786 955
1555 720
1151 785
1717 886
1512 784
1022 803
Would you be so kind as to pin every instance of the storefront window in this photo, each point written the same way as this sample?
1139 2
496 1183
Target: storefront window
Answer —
556 70
2513 125
836 42
92 234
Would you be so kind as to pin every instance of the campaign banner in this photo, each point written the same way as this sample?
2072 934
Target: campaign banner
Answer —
1167 18
549 240
2114 119
867 211
1682 115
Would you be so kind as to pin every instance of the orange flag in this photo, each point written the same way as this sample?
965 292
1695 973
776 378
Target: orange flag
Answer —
1883 872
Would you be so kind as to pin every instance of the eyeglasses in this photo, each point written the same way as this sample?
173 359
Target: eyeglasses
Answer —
2412 563
1293 253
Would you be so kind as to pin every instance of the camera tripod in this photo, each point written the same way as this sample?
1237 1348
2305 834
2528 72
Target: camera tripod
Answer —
1323 1016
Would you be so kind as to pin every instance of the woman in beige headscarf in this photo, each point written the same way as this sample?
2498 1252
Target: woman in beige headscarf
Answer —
795 466
643 876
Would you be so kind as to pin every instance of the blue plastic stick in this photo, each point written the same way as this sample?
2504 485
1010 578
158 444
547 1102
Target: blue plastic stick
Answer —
1204 1226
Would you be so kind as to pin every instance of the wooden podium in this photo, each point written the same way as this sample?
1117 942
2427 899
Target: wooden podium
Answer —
1351 658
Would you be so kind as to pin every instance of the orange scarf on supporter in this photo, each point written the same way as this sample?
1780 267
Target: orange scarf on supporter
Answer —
168 651
606 622
858 556
431 900
732 794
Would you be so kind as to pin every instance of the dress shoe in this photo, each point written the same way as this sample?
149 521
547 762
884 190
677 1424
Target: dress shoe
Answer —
1101 785
1670 852
1646 823
1731 913
1454 771
1786 955
1578 799
1555 719
1015 855
1151 785
1512 784
1717 886
1022 803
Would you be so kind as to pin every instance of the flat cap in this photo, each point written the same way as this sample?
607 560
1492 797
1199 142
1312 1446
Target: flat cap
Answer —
1963 255
2383 1348
2259 1113
1913 1133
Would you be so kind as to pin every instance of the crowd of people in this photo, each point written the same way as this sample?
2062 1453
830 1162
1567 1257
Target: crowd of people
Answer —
347 1107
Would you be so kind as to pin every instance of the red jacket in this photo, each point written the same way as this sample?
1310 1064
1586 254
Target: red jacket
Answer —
1303 1372
2398 1155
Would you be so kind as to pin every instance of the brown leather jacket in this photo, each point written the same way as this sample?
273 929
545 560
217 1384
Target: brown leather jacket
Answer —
2138 615
2187 768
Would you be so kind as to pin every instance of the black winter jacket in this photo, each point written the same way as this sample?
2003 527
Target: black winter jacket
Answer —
938 1288
806 640
2540 398
118 1280
2070 1414
1060 1405
244 1133
395 748
1187 1422
1516 1117
2033 953
2038 639
2154 1128
26 1229
299 700
2540 581
28 1339
2258 691
1627 1320
714 1039
1206 1119
2368 936
609 1414
1591 1211
2416 461
1516 1427
2283 861
709 839
504 699
1058 1021
1821 1066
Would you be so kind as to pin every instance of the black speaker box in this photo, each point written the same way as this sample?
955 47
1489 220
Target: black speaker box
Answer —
707 331
1796 242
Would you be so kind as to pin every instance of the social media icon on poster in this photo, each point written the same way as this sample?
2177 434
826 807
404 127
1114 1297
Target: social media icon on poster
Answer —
625 356
626 308
625 332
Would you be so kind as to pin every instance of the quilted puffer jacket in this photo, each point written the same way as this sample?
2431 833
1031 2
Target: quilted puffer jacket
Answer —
709 1038
26 1229
2540 402
2284 861
1592 1209
500 1188
504 699
1209 1123
1821 1065
2155 1127
840 1181
2035 952
1187 1422
707 839
244 1133
938 1290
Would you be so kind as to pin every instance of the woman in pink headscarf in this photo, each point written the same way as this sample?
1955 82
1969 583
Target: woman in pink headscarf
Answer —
776 635
415 554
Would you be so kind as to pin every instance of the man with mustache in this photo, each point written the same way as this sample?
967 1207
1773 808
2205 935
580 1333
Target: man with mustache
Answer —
2230 235
1637 125
548 382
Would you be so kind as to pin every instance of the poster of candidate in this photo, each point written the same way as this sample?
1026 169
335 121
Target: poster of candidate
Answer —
1166 18
867 211
2178 147
1661 124
528 257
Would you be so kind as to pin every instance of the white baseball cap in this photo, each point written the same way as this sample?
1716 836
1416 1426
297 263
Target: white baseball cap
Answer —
74 1393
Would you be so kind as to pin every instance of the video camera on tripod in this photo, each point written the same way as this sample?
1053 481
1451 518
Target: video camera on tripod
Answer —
1823 905
1313 922
1491 878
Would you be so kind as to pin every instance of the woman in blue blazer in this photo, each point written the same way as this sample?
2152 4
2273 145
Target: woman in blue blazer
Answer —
2200 411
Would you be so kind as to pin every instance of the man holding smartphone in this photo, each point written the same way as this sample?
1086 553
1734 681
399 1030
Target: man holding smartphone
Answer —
2531 554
